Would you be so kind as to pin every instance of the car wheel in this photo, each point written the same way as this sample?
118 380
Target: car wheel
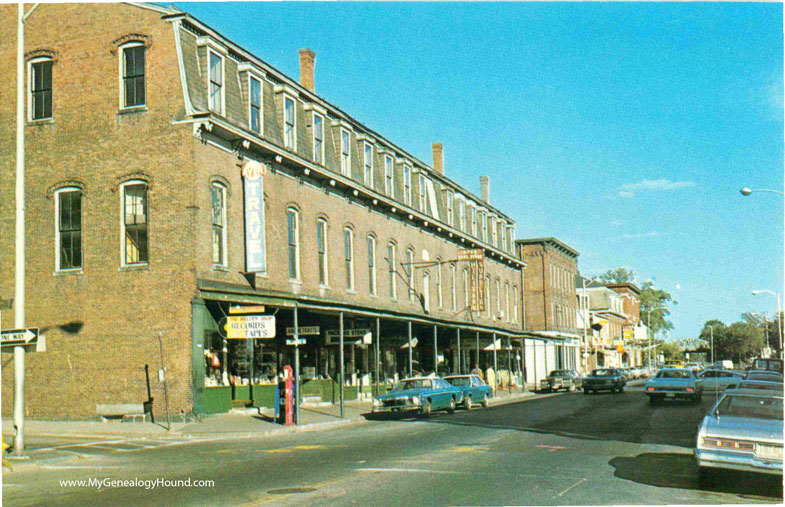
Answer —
586 391
697 398
451 409
706 476
467 403
425 411
653 400
621 389
485 402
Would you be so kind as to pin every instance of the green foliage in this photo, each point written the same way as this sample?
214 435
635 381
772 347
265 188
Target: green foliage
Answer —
738 342
670 350
654 302
618 275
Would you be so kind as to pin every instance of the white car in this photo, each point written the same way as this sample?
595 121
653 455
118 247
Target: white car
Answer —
718 380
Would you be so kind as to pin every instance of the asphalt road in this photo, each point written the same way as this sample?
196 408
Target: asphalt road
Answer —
563 449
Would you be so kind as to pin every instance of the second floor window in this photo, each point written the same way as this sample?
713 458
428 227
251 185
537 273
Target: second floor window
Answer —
289 138
318 139
293 240
368 165
346 154
219 224
348 255
215 98
321 248
389 182
41 89
410 273
465 288
392 271
69 229
439 301
515 303
255 104
372 265
407 185
453 296
133 75
135 240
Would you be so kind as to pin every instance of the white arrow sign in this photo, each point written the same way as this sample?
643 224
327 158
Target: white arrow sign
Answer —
13 337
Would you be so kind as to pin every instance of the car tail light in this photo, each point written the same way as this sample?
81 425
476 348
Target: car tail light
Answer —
650 389
724 443
689 389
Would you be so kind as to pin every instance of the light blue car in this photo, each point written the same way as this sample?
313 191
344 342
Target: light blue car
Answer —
474 389
422 394
672 383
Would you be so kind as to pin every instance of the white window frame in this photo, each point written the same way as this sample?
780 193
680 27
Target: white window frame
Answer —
224 235
123 246
251 79
407 185
494 233
346 152
515 303
222 93
449 206
507 300
488 296
121 73
30 88
410 274
57 193
368 164
439 298
453 294
322 257
349 262
296 244
290 144
484 226
320 151
371 247
389 176
391 259
474 219
422 199
426 291
465 288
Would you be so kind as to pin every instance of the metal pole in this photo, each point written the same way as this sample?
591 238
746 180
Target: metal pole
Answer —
779 317
460 358
19 245
340 346
166 390
435 352
495 366
297 387
410 348
378 353
477 355
711 330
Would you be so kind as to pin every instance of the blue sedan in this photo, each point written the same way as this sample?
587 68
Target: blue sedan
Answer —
474 389
422 394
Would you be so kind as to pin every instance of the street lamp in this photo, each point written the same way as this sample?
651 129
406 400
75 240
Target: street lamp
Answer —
648 328
779 312
747 191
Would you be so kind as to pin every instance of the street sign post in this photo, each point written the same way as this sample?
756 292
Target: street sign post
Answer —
15 337
250 326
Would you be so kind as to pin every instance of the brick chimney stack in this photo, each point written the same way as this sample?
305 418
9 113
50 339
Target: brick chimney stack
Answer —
438 158
485 189
307 63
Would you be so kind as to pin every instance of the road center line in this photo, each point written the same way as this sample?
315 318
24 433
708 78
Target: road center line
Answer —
568 489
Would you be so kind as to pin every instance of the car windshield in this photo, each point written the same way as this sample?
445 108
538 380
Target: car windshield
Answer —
673 374
424 383
459 381
769 386
765 377
758 407
560 373
603 373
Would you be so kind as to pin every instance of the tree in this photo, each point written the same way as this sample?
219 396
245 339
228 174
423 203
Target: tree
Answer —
618 275
670 350
739 342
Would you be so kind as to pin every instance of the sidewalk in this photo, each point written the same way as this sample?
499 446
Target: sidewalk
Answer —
41 436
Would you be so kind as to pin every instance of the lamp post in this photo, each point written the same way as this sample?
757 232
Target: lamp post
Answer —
779 312
747 191
648 327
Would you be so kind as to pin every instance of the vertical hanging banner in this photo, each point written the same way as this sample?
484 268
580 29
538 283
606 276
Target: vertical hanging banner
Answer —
253 188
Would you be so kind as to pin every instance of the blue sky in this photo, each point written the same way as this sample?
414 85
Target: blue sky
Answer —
623 129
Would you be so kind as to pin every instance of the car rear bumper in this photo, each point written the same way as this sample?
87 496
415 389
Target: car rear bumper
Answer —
735 461
396 408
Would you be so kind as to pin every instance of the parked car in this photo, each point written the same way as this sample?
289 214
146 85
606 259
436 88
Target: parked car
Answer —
604 379
763 385
770 364
697 368
672 383
569 380
717 380
627 374
423 394
763 375
673 363
742 431
473 389
725 363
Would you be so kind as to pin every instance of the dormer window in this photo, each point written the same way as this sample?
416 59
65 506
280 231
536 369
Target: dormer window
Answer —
422 201
289 123
368 164
449 205
462 214
474 219
216 80
318 138
255 104
389 181
407 185
40 100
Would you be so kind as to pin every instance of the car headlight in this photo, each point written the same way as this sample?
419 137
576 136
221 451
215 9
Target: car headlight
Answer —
416 400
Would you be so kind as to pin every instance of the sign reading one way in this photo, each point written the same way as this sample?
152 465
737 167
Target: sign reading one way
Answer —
14 337
250 326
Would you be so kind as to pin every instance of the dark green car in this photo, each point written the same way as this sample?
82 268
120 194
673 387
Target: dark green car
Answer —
604 379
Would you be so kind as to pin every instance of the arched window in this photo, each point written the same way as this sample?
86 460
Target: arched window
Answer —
348 256
488 296
68 230
391 254
40 97
466 288
439 301
453 297
218 192
134 222
426 291
293 240
410 273
515 303
507 301
321 249
371 264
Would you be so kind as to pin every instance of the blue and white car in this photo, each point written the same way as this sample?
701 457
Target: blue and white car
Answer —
474 389
421 394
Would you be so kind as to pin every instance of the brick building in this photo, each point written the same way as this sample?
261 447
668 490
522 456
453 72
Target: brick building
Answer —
188 176
550 306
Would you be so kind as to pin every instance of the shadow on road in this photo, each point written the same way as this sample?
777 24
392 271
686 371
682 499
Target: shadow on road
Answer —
675 470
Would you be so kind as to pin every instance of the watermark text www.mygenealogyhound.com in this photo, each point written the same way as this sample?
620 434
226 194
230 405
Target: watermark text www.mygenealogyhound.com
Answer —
107 482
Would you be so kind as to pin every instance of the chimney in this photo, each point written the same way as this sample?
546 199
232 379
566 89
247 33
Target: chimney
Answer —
307 62
438 158
484 189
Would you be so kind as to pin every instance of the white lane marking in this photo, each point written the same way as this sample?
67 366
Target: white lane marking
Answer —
81 444
63 467
418 470
568 489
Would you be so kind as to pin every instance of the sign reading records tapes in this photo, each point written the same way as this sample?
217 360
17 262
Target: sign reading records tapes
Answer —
243 327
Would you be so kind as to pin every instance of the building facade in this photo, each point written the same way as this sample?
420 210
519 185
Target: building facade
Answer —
550 306
190 177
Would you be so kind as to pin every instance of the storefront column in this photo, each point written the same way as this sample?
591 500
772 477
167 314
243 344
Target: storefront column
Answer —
477 355
435 352
410 348
298 381
460 357
340 347
495 366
